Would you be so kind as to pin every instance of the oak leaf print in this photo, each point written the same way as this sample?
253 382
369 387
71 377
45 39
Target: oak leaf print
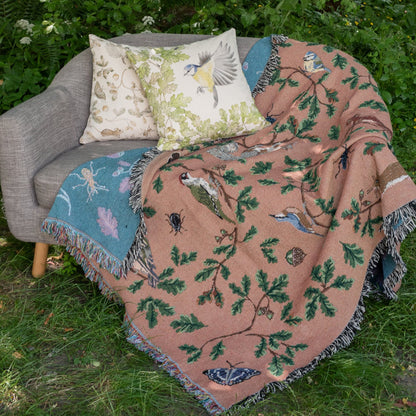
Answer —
124 185
107 222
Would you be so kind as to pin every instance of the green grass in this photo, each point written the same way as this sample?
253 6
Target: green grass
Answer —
63 352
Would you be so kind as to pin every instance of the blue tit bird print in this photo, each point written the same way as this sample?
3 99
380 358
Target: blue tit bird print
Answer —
213 70
312 63
297 219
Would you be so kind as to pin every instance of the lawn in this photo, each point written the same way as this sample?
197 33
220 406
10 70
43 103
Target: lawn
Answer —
62 344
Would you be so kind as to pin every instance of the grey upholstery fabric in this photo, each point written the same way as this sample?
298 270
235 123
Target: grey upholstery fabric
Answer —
50 178
39 138
31 135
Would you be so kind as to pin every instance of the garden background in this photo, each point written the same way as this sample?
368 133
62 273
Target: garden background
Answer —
62 346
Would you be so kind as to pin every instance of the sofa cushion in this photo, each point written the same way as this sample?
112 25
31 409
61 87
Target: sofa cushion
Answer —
49 179
197 92
118 107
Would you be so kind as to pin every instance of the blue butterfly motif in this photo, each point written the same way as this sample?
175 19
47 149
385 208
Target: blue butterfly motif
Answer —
230 376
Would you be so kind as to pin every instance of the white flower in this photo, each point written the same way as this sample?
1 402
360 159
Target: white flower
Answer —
148 20
22 24
25 41
29 28
25 25
49 27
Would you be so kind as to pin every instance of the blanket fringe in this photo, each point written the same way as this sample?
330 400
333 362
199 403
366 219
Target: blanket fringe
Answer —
88 268
272 63
136 178
341 342
136 338
140 244
81 246
396 227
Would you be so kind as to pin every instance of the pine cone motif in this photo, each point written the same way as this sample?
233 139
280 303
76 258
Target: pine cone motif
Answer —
295 256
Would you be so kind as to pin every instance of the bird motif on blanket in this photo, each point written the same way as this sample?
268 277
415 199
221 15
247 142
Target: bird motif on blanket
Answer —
297 218
204 193
228 151
214 69
312 63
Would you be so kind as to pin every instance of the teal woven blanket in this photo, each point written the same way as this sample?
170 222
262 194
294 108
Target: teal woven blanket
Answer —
91 215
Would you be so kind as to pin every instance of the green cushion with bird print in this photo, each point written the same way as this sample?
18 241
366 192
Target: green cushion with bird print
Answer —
197 92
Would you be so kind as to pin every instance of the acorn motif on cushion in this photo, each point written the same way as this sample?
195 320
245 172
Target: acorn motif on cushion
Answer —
295 256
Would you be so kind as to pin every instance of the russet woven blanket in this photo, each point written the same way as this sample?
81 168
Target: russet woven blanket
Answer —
254 254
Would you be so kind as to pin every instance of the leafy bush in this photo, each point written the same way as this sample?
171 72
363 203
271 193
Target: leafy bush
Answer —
39 36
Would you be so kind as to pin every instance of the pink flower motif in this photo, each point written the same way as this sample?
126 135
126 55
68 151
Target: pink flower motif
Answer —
107 222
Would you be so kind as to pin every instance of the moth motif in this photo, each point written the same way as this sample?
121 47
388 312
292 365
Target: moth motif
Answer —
230 376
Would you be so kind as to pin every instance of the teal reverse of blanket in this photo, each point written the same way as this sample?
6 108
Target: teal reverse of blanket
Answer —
91 212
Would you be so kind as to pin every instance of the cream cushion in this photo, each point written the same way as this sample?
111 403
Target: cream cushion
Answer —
118 106
197 92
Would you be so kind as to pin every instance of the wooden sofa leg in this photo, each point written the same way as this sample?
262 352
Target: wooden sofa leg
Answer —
39 259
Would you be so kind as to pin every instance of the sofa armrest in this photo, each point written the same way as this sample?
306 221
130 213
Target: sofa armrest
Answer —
31 135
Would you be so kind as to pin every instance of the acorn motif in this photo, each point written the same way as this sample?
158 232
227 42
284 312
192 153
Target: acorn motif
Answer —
295 256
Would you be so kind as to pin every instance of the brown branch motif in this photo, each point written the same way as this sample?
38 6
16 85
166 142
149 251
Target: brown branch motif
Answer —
275 343
361 205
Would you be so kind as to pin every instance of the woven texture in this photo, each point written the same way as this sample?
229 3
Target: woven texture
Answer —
254 254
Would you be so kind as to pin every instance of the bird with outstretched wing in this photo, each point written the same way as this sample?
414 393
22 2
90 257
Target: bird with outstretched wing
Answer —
214 69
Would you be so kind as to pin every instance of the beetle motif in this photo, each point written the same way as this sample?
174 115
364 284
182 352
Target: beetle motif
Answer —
343 160
175 220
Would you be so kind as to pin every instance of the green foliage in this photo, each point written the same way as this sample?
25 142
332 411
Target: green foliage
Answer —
69 265
244 201
353 254
317 295
187 323
217 350
268 251
231 178
380 34
193 352
158 184
153 307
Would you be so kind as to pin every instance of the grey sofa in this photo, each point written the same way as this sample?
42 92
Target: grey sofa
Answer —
39 142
